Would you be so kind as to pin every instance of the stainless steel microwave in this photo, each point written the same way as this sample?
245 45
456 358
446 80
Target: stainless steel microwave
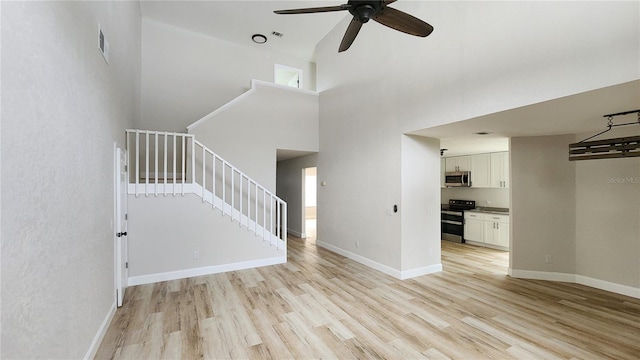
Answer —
457 179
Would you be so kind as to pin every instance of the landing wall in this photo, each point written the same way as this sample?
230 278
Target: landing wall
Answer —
249 131
166 231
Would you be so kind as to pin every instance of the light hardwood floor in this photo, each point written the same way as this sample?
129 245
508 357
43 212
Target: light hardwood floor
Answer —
322 305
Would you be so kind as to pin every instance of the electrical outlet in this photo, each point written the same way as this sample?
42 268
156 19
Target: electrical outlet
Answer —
196 254
547 259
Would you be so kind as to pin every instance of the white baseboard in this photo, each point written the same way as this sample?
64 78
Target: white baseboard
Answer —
542 275
609 286
577 279
408 274
206 270
402 275
102 330
297 234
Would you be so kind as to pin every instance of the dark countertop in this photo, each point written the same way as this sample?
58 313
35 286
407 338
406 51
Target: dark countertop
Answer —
483 209
492 210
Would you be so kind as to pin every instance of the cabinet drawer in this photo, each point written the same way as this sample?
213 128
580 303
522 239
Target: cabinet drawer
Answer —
496 218
474 215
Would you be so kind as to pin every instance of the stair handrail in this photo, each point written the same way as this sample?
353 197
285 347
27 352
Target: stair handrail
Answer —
185 149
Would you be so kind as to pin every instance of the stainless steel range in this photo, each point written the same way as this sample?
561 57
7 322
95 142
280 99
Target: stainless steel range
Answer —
452 219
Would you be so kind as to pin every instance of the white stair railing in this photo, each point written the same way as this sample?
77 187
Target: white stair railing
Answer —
166 163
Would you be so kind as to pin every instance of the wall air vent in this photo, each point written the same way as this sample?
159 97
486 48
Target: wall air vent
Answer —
103 44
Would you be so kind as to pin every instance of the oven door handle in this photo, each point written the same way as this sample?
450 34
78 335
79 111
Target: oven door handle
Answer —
447 212
451 222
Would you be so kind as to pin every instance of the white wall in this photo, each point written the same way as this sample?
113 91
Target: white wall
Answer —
607 213
582 213
289 187
166 231
420 207
186 75
543 204
482 58
248 133
359 160
62 109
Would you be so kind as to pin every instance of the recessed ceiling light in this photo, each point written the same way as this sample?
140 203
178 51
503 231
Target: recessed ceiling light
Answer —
259 38
482 133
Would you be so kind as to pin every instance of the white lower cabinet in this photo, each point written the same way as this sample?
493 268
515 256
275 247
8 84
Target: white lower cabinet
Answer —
473 226
489 230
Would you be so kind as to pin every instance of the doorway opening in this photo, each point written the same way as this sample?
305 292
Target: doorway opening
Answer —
288 76
309 196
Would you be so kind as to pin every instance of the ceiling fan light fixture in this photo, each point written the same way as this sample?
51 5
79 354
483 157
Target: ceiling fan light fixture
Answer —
259 38
365 10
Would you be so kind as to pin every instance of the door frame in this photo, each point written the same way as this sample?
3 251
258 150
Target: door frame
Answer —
278 68
121 273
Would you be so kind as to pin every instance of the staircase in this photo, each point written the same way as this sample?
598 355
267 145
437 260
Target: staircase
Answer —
175 164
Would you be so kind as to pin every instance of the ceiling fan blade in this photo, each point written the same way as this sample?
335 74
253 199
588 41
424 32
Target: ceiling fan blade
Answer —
314 10
387 2
404 22
350 34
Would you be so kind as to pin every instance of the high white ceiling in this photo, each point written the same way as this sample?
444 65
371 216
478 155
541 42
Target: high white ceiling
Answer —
236 21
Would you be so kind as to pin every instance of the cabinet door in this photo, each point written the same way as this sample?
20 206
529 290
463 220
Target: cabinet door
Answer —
505 169
464 163
496 170
458 163
500 170
490 233
473 230
451 164
503 234
481 170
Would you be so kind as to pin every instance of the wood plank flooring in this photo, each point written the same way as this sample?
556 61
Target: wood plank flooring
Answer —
322 305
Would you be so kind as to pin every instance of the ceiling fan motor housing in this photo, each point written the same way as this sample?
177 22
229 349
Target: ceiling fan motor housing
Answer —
364 10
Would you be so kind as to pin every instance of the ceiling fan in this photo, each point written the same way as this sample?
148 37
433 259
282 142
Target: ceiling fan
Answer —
363 11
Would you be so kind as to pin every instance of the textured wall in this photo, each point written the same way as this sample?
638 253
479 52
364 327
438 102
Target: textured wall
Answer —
420 207
607 213
543 204
62 109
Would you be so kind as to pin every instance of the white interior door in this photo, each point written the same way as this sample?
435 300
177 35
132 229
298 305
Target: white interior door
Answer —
121 245
285 75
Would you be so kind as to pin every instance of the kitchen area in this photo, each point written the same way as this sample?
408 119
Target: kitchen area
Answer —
475 195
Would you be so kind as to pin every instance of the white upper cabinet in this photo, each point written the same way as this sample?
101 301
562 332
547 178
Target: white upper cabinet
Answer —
458 163
490 170
499 170
480 170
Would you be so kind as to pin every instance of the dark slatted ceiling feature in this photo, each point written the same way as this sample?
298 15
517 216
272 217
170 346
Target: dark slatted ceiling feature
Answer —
605 149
